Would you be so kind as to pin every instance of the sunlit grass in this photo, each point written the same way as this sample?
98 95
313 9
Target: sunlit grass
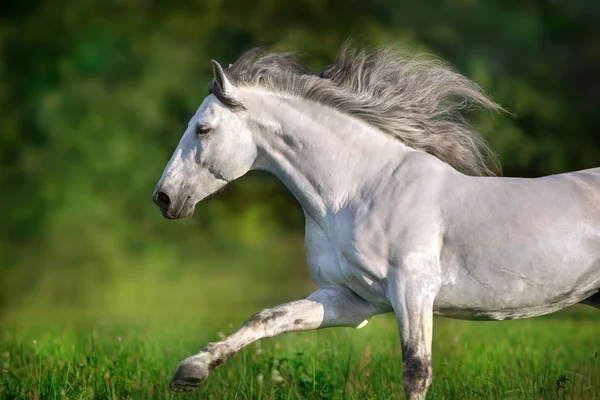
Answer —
542 358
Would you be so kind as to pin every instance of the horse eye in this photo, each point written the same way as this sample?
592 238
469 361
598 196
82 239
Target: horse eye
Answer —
202 130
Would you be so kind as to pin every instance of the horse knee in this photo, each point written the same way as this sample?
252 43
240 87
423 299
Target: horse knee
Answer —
264 317
417 374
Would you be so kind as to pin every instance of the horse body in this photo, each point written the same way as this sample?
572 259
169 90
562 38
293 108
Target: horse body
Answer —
539 262
388 227
518 248
501 248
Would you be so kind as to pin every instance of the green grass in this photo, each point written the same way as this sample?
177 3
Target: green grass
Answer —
552 357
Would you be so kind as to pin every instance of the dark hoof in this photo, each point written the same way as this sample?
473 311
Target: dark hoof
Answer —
188 377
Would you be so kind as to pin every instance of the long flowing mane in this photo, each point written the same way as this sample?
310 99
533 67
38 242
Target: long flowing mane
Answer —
421 102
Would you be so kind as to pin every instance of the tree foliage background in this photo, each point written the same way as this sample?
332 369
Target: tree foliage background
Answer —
94 97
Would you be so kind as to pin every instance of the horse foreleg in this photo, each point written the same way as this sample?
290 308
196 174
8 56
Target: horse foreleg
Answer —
324 308
414 313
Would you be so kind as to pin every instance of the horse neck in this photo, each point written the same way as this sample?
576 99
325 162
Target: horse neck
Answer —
324 157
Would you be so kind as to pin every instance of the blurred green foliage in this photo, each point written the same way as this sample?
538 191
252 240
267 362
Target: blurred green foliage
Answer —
95 95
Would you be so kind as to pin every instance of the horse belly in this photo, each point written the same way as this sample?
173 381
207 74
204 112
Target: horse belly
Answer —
514 297
529 278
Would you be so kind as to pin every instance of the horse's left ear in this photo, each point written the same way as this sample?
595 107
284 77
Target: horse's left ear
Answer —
221 80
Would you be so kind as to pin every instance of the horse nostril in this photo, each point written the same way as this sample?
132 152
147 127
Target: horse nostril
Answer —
163 200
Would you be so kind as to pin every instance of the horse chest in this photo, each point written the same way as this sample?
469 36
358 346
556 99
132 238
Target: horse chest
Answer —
337 256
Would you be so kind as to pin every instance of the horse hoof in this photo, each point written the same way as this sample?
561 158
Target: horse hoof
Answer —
189 376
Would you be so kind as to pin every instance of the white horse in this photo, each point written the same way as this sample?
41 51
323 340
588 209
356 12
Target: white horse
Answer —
399 213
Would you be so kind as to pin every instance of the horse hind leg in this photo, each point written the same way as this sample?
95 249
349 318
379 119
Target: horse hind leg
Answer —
593 300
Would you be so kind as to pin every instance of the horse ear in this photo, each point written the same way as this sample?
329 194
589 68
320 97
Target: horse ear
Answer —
221 80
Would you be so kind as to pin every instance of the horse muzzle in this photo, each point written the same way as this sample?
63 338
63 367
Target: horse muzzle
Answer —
173 206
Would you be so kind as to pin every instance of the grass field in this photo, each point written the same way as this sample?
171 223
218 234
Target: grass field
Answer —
551 357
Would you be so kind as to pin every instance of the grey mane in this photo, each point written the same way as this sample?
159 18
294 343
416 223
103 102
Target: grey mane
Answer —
418 101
